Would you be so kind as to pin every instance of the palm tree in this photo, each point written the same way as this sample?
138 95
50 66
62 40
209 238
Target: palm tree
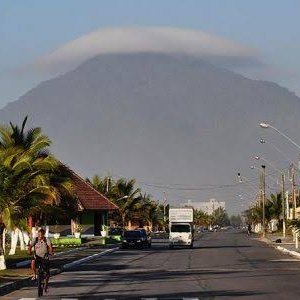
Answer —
104 185
34 144
147 210
31 141
24 185
29 178
125 196
274 206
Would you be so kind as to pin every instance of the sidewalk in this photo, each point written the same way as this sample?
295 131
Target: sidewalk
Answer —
286 246
19 277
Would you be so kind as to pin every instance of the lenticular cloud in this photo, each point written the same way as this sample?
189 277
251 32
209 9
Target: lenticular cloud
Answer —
167 40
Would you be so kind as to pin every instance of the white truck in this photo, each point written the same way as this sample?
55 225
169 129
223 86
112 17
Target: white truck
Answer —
181 231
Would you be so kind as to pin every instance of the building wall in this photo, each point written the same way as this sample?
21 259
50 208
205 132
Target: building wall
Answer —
207 207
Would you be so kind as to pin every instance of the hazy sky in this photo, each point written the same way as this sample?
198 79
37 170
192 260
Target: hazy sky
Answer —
30 30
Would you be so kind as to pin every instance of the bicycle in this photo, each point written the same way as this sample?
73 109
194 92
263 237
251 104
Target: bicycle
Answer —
42 273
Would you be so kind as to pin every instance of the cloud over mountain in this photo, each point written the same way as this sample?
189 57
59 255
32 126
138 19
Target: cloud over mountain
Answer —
164 40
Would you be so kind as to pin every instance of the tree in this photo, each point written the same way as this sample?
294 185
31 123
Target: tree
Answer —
220 217
202 218
274 206
29 180
105 185
126 197
150 211
131 202
236 221
253 215
23 187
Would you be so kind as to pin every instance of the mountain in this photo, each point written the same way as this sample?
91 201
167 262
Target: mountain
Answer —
161 118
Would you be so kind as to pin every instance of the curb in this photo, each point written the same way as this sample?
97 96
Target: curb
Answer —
16 285
280 248
286 251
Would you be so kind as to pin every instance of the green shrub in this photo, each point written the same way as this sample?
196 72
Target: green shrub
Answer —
66 241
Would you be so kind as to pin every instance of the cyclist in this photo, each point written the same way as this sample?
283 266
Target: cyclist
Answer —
42 248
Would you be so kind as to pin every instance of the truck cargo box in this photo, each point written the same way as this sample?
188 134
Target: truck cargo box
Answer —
181 215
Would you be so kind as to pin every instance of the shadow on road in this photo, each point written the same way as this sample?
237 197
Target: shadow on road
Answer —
222 246
171 296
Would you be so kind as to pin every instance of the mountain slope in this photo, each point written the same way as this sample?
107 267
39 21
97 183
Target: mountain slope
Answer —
159 118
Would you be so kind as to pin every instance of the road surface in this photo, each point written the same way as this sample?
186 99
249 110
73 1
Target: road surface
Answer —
223 265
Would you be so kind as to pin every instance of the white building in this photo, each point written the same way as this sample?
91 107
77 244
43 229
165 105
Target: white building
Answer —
207 207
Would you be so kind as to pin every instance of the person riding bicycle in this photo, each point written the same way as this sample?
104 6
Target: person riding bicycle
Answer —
42 249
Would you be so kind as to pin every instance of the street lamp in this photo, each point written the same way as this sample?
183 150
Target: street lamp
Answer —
125 197
266 125
248 181
268 162
263 141
258 169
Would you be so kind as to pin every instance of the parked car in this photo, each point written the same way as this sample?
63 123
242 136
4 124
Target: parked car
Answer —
136 238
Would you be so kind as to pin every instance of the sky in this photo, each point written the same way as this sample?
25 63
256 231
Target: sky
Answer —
30 30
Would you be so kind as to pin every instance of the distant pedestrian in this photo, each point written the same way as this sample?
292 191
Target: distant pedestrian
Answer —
249 229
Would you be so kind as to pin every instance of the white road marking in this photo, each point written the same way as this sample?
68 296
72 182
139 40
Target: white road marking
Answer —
285 260
190 298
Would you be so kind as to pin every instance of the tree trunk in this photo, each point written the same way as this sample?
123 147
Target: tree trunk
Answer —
14 241
4 239
2 258
123 221
26 239
22 242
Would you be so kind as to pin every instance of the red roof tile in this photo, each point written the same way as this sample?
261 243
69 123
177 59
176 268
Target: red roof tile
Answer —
88 197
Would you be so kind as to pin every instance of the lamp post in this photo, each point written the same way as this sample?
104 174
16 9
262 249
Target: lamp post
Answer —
165 203
267 125
251 185
282 192
125 197
264 199
253 167
264 141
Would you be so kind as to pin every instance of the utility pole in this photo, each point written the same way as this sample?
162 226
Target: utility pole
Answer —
260 189
264 199
283 205
165 202
107 182
293 190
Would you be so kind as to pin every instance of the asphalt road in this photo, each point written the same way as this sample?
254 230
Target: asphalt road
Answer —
223 265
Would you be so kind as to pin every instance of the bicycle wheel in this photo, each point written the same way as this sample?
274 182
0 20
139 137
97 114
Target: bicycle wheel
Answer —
40 283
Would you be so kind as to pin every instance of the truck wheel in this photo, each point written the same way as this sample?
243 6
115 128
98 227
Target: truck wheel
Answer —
191 246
